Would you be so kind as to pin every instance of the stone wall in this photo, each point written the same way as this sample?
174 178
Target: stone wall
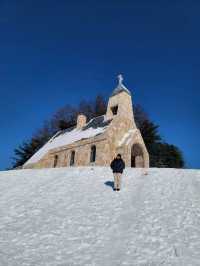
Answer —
82 154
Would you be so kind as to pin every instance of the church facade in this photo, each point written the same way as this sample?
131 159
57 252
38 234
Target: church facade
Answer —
97 142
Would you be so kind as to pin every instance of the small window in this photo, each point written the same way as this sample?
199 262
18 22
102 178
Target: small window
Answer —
72 159
114 109
55 163
93 154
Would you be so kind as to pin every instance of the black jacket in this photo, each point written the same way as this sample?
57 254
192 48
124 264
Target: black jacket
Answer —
117 165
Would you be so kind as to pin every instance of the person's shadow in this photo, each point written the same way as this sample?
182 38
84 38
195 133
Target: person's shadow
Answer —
110 184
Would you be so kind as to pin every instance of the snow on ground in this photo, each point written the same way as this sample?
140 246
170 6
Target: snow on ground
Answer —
71 216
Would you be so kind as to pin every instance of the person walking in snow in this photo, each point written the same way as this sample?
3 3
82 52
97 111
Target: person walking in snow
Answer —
118 166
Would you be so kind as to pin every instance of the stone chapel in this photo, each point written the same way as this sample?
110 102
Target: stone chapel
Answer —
96 143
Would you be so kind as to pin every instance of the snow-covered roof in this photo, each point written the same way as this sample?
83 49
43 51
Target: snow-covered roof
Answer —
94 127
120 88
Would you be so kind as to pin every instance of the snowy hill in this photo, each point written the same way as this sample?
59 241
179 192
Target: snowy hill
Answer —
70 217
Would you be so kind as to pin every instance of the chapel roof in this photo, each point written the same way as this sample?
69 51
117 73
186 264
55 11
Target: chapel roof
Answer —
94 127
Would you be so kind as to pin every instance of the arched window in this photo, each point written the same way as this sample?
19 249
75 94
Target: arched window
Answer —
72 158
93 154
114 109
55 161
137 156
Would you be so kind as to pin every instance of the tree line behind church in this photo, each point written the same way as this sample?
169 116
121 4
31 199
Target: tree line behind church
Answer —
161 153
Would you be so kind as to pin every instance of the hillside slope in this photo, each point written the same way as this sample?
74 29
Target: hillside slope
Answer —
72 217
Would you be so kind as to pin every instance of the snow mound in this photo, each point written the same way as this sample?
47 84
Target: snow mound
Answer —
71 216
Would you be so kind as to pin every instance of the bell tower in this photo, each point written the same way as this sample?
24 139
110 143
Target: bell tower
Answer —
120 103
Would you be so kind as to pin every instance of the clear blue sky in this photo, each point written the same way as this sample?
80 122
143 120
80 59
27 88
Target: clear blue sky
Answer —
58 52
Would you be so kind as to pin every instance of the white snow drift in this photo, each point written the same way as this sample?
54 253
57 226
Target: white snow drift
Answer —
71 216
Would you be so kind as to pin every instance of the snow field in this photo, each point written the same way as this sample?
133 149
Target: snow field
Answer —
71 216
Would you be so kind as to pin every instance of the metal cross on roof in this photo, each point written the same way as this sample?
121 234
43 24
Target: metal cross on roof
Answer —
120 78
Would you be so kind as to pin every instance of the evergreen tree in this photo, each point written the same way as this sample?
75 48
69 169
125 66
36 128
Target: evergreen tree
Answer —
27 149
161 154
